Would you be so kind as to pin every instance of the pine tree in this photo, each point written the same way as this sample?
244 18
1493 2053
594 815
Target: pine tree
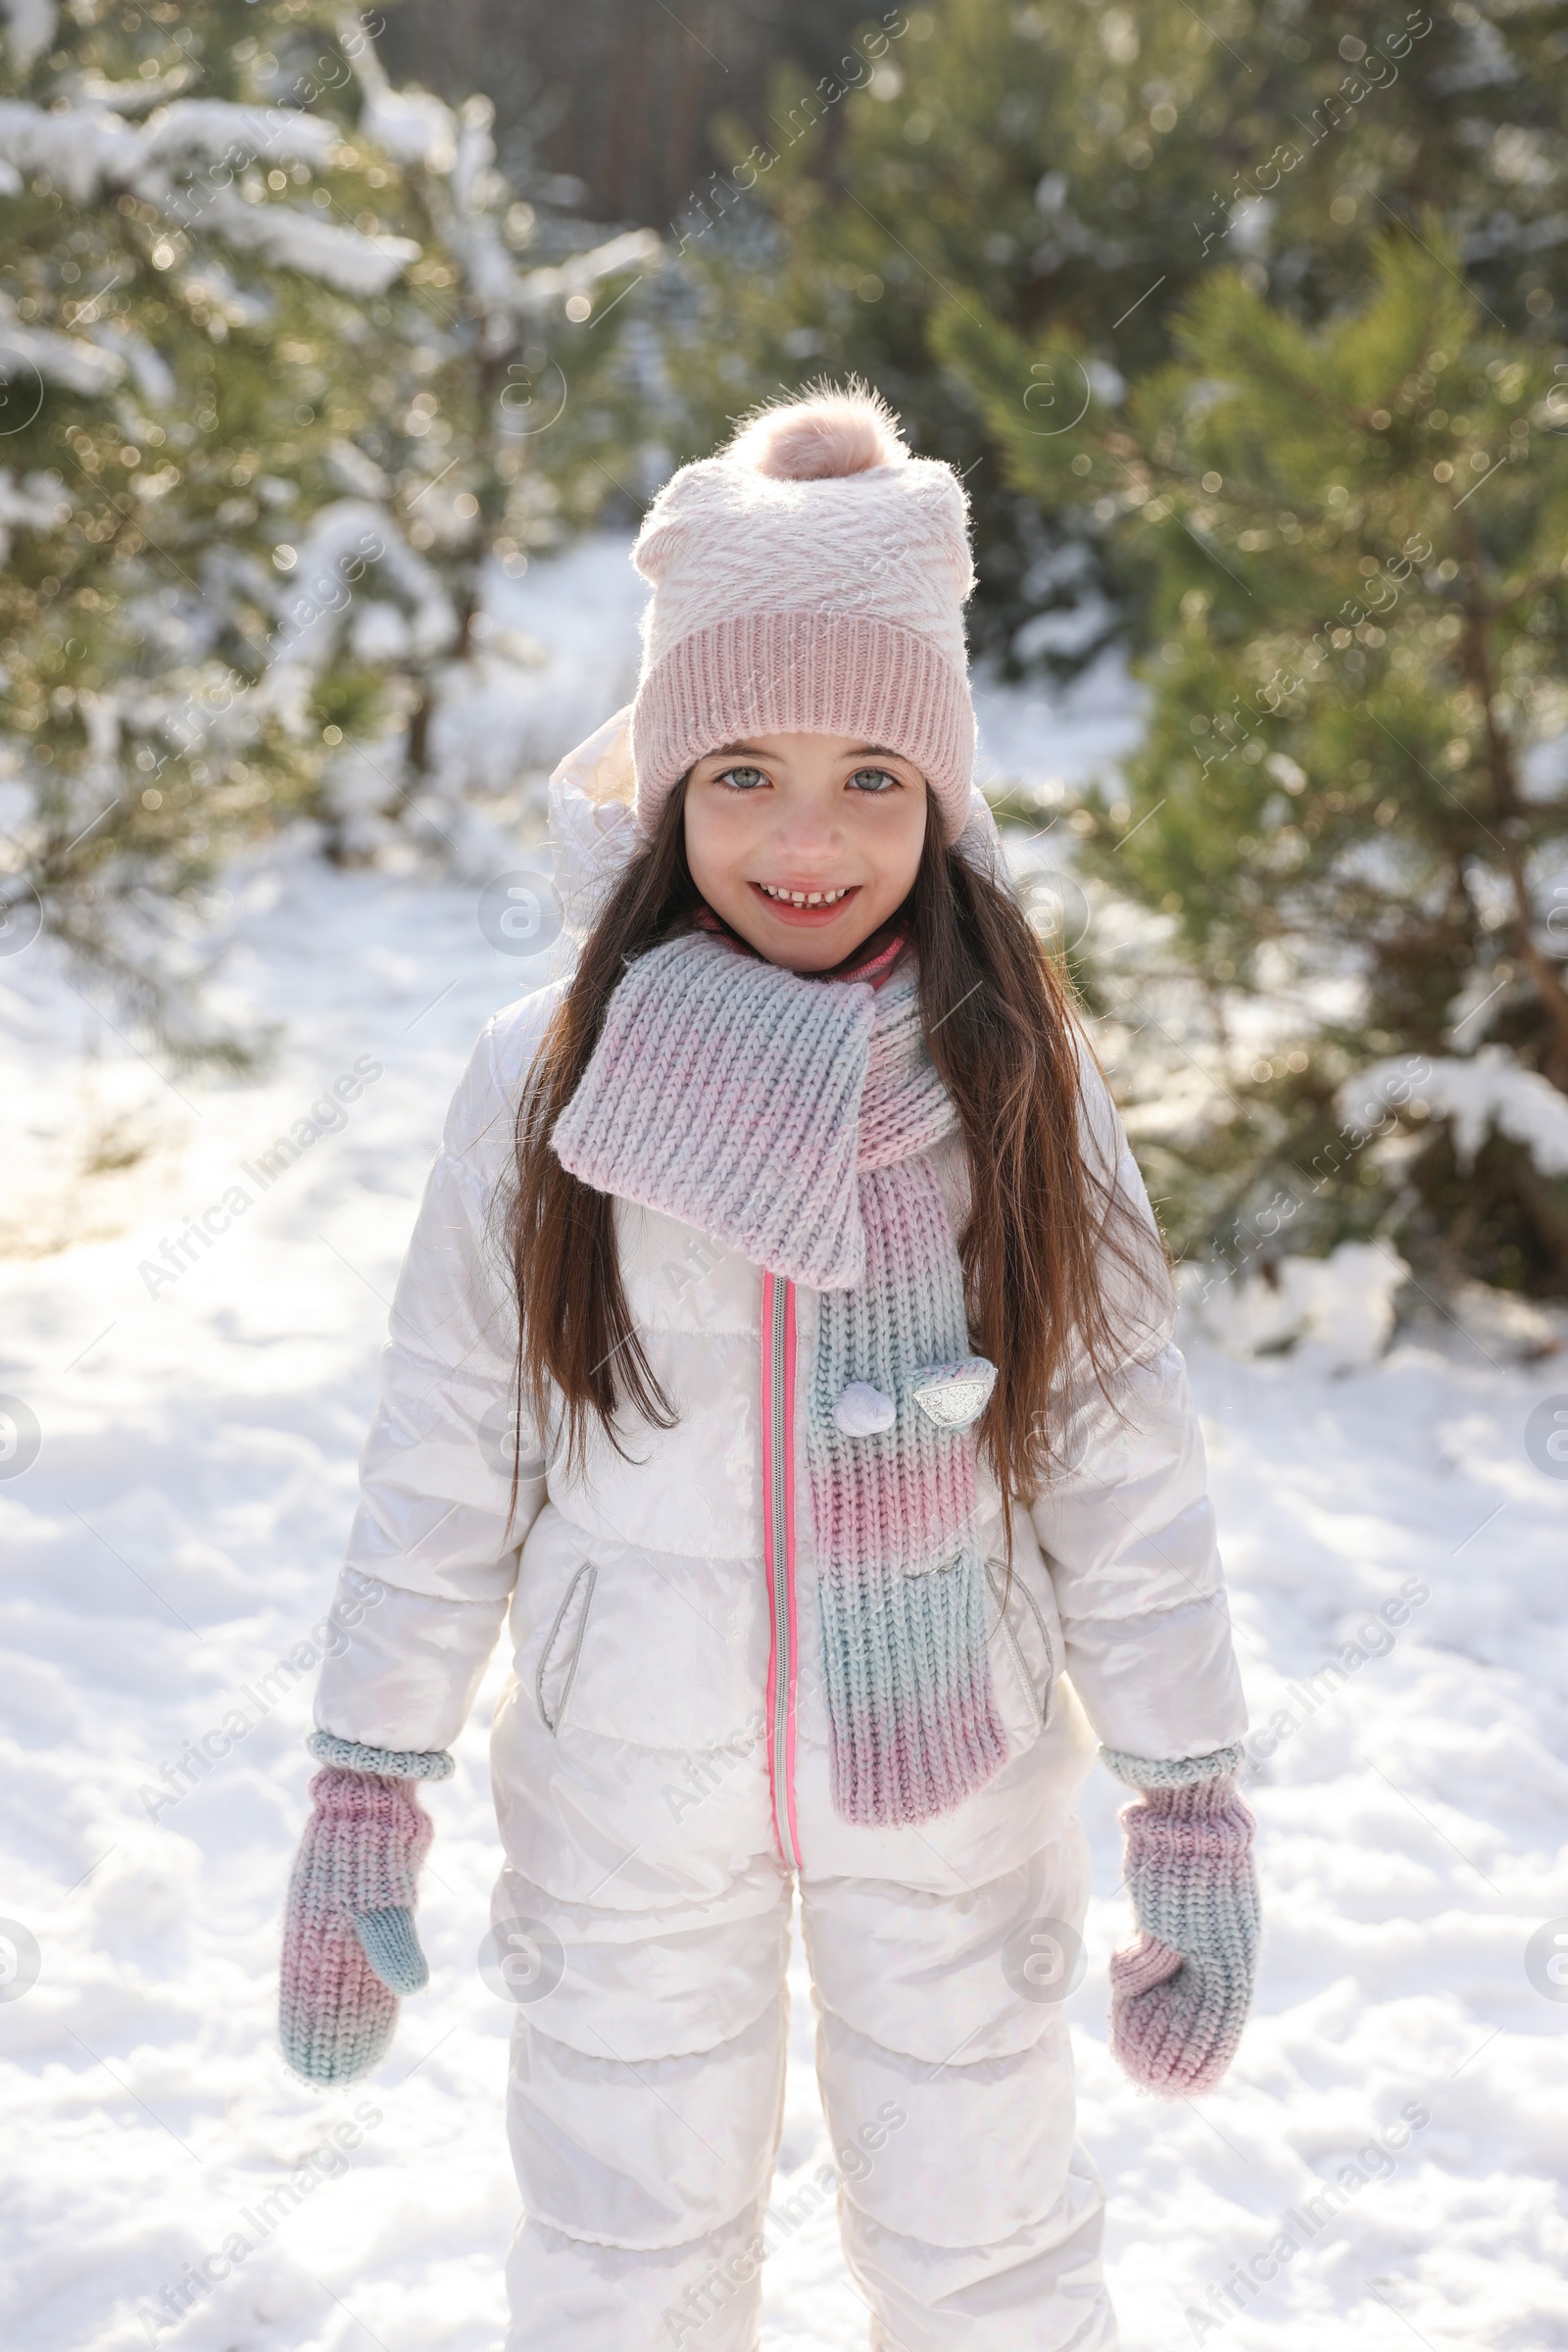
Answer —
1353 538
156 258
1085 166
232 255
494 412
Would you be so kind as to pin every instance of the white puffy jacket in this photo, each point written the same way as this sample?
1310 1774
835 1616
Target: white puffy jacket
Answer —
651 1622
660 1763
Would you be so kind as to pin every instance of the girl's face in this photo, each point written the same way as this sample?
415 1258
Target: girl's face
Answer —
804 843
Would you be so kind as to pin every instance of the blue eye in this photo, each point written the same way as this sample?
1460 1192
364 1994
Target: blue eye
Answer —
873 779
744 779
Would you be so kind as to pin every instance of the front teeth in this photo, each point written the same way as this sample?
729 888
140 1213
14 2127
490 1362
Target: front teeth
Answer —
804 898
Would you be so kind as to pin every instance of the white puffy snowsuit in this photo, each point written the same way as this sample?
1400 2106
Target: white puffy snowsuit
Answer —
660 1766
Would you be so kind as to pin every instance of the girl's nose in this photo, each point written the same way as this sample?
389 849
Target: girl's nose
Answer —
806 829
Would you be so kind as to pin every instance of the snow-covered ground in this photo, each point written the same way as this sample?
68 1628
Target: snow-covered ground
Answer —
174 1542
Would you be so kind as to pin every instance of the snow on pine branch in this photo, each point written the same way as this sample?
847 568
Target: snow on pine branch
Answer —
1476 1096
38 504
29 29
454 157
409 125
286 237
67 360
184 162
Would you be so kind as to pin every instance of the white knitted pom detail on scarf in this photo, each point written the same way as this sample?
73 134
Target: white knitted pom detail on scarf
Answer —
827 435
861 1411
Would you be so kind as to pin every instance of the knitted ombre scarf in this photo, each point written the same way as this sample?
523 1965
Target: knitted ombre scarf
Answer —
789 1117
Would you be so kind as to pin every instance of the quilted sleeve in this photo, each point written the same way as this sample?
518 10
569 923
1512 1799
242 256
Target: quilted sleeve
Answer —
432 1555
1127 1525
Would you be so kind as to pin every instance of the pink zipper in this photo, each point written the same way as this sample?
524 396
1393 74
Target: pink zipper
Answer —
778 1550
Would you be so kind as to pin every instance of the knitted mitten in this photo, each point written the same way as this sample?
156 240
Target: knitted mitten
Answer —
1179 1997
349 1943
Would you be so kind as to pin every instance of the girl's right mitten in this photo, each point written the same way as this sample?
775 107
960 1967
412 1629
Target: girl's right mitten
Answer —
350 1948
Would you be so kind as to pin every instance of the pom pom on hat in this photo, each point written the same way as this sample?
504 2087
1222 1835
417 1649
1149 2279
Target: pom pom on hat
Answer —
828 435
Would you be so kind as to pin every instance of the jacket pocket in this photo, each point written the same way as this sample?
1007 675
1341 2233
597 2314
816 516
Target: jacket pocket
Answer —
1025 1636
557 1670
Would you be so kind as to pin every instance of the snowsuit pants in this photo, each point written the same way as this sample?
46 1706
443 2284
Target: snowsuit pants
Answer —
646 2104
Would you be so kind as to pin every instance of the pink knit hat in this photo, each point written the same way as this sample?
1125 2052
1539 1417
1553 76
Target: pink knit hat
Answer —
809 579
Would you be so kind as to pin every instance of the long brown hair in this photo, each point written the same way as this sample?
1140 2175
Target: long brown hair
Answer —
1045 1228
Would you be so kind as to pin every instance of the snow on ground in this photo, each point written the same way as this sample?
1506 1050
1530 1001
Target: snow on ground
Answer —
1396 1541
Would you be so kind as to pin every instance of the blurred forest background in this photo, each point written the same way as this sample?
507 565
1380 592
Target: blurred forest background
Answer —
1247 330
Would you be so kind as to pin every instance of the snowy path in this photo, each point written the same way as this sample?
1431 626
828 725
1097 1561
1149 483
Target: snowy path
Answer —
178 1538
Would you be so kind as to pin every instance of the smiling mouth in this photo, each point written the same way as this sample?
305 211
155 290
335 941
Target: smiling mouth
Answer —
814 899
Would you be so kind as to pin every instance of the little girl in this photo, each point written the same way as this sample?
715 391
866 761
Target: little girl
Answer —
784 1343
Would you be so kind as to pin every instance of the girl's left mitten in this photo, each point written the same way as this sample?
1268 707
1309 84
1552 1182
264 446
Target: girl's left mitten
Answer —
1179 1997
350 1949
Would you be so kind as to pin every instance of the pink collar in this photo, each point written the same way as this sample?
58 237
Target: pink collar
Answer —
877 968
